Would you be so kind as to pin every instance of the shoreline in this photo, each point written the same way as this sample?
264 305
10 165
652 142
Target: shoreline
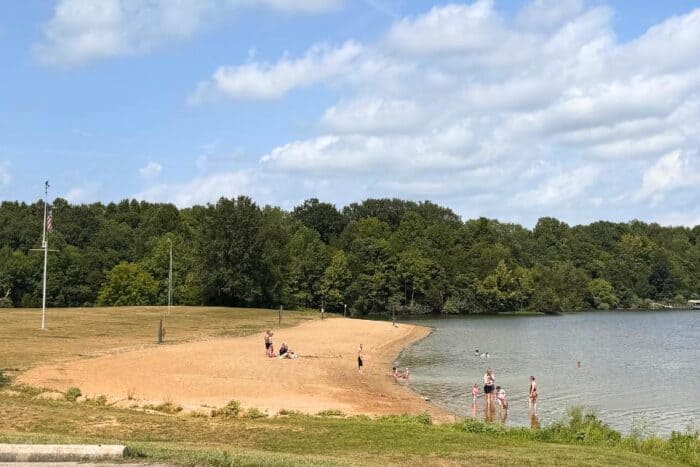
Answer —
208 374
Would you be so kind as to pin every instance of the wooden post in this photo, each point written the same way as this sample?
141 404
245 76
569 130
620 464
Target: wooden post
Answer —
160 331
280 315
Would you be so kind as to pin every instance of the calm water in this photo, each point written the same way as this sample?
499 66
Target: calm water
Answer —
636 368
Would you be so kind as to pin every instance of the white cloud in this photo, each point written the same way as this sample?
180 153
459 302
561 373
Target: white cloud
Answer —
150 170
85 193
85 30
451 28
373 114
673 171
543 113
545 14
559 188
259 80
552 97
206 189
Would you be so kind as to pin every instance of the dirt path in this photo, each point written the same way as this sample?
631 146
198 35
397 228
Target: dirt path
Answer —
213 372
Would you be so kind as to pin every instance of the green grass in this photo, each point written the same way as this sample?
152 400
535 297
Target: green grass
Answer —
235 437
313 440
83 332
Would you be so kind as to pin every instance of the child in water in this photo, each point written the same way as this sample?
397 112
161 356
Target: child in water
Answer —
501 396
475 393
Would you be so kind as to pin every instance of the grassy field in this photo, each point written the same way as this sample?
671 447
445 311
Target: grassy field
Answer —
82 332
281 440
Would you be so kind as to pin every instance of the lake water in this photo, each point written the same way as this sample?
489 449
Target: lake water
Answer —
637 368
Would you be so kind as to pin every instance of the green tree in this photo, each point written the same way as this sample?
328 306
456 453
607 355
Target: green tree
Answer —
602 294
308 259
324 218
128 285
336 280
505 290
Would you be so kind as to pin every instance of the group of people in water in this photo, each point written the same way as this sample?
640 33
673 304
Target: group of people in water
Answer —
492 391
284 352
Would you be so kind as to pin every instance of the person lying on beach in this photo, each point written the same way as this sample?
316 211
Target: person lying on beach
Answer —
283 349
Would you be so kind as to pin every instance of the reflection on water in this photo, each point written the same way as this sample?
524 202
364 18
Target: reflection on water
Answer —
629 367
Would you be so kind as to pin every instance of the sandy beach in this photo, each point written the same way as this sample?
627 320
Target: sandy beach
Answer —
210 373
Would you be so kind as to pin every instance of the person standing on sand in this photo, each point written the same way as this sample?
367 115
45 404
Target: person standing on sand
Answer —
268 343
532 398
360 363
489 379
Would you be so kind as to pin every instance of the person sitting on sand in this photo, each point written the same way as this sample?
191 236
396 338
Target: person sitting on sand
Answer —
501 396
405 374
286 352
394 372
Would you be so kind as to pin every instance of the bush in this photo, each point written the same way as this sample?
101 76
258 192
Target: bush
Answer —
331 413
289 412
101 400
472 425
423 419
582 427
165 407
254 413
6 302
72 394
230 410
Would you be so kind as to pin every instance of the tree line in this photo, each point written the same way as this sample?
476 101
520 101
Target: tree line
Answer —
377 256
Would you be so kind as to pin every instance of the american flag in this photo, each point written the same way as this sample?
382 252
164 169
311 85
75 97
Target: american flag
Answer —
49 222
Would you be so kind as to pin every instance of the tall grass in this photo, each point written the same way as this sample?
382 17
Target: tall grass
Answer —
585 428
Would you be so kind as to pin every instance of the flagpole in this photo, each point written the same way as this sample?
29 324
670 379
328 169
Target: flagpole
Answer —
45 246
170 277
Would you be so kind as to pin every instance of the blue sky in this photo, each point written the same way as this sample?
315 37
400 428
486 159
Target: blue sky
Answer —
583 110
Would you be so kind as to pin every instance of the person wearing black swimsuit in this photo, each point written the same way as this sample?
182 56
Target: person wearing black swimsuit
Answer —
488 387
360 363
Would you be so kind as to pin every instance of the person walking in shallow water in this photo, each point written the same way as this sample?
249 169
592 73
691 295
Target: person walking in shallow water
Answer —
532 398
489 379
